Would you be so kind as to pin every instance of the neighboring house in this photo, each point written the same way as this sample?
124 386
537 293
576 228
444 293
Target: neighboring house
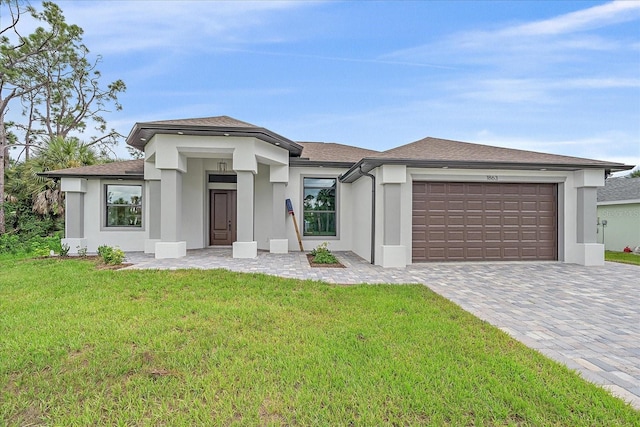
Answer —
619 206
220 181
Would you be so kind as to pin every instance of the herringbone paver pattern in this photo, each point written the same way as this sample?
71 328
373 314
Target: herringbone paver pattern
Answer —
585 317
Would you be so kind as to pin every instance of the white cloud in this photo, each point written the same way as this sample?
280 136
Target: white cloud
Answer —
530 45
593 17
132 26
511 90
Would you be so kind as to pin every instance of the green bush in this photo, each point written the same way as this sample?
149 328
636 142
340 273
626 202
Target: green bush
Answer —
18 243
109 255
322 255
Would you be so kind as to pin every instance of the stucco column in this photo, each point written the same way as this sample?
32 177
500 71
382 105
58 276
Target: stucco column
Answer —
74 189
74 215
170 245
278 242
587 251
587 215
153 215
245 246
392 252
392 209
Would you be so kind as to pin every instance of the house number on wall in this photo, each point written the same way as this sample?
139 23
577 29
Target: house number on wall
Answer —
492 177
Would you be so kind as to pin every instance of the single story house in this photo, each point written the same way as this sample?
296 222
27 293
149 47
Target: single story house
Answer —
619 213
221 181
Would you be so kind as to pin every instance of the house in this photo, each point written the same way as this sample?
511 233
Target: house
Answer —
221 181
619 213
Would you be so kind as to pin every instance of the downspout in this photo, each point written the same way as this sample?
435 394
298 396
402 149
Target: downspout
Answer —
373 214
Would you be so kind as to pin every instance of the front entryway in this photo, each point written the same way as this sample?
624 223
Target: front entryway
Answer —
222 214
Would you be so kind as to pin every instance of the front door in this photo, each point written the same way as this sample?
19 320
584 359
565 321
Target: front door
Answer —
222 210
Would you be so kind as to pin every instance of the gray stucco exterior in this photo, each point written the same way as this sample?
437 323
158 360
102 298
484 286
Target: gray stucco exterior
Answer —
269 169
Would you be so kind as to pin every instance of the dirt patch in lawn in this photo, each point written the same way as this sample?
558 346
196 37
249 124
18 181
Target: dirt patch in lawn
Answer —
95 259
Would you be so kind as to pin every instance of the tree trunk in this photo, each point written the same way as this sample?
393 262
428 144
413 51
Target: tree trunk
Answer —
4 158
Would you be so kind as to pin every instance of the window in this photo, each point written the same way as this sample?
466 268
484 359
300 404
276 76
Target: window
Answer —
319 206
124 205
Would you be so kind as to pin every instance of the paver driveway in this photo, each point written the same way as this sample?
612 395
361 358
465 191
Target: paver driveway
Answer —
585 317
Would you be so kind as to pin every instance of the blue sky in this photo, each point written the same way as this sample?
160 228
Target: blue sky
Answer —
558 76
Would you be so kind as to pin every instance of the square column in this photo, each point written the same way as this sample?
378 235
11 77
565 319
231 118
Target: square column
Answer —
154 211
393 253
591 252
170 216
588 251
278 244
74 189
245 246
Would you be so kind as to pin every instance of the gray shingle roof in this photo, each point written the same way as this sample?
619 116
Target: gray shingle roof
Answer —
133 169
333 152
428 152
217 121
443 149
211 126
619 189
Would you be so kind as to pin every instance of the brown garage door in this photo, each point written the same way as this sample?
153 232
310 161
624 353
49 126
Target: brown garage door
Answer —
455 221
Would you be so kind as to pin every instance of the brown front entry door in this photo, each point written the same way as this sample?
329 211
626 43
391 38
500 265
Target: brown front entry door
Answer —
222 209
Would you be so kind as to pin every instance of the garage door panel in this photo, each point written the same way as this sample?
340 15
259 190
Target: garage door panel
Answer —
545 206
492 236
474 205
454 236
482 221
437 236
529 206
511 205
509 220
474 220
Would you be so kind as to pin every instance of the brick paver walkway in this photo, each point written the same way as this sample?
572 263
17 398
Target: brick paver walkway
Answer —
585 317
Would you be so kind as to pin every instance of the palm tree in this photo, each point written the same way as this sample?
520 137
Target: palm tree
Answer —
58 153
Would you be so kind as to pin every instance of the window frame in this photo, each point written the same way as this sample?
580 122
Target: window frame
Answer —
106 205
335 211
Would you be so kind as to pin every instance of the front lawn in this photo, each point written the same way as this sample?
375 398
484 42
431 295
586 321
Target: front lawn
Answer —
623 257
80 346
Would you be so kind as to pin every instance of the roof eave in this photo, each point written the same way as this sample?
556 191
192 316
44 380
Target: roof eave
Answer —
297 162
368 164
128 176
143 132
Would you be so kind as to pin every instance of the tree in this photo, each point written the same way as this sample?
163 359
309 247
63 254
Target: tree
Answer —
59 86
17 77
69 98
35 201
634 174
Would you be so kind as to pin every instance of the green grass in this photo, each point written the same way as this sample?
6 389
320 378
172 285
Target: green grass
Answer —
623 257
80 346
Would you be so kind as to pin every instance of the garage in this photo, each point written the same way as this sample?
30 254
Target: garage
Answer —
470 221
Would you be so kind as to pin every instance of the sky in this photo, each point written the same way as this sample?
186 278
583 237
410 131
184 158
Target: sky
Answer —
555 76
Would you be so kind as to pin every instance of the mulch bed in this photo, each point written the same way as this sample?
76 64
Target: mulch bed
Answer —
318 265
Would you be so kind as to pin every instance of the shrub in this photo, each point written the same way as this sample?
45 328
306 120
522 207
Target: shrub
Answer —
64 250
112 256
14 243
322 255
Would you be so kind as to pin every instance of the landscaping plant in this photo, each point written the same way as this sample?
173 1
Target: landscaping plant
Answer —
110 255
322 255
